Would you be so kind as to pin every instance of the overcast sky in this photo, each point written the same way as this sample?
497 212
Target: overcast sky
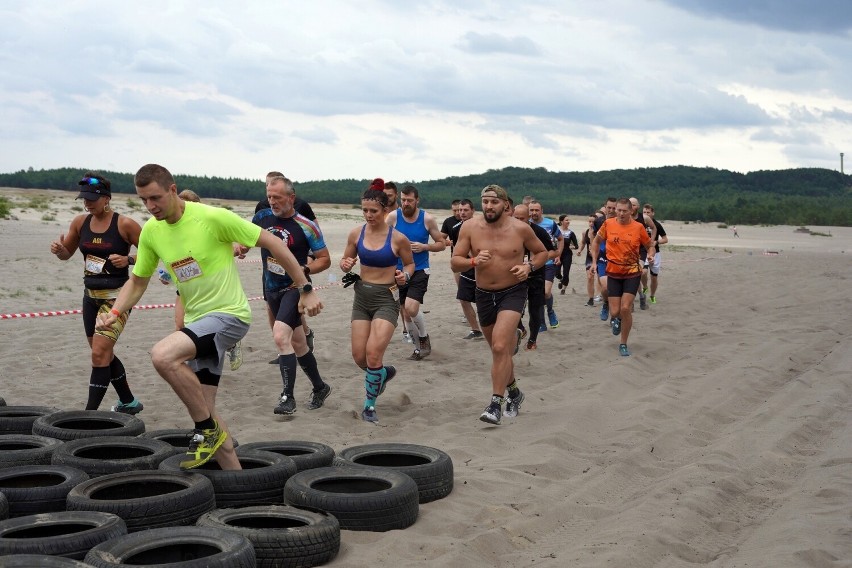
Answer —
414 90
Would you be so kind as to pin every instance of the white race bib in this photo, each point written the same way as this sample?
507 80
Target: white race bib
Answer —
94 264
275 268
186 269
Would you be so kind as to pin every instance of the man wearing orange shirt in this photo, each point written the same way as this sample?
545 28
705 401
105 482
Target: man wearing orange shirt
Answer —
623 237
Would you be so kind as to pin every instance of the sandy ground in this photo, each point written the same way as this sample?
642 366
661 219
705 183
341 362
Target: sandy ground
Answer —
725 440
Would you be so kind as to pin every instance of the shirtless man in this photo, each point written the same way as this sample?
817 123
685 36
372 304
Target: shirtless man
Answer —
496 244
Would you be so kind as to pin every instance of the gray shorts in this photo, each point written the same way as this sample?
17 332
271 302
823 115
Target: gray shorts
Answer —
375 301
213 335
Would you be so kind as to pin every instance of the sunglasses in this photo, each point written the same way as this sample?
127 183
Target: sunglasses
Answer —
89 181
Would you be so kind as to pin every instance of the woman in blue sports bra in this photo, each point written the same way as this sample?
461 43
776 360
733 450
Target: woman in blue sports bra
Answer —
375 309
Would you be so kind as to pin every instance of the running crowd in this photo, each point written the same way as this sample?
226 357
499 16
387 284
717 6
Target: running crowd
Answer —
505 262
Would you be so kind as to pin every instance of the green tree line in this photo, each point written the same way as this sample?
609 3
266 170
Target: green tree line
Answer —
802 196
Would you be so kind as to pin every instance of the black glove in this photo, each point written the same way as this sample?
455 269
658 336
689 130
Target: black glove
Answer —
349 279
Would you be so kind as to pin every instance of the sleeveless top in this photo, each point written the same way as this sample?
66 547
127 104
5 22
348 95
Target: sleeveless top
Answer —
380 258
98 271
416 232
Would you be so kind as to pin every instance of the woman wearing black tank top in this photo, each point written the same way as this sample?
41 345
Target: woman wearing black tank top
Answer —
375 309
104 238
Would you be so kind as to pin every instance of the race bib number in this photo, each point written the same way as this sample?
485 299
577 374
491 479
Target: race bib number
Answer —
186 269
275 268
94 264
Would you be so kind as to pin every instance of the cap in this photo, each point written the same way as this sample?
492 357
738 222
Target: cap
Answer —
498 192
93 187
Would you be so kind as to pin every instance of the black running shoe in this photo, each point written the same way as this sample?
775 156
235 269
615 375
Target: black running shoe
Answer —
513 405
286 406
493 412
318 397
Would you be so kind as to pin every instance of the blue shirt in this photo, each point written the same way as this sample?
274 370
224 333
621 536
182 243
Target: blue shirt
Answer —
416 232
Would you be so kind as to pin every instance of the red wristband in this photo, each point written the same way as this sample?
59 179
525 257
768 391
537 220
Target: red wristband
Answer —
115 312
473 261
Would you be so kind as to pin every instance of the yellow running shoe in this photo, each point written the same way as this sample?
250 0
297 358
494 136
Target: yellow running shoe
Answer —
203 445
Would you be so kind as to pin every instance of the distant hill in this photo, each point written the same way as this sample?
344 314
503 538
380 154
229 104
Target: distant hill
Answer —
803 196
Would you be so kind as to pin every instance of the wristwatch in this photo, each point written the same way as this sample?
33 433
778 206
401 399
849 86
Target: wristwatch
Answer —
306 288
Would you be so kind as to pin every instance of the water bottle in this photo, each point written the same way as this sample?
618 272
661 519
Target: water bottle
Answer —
165 277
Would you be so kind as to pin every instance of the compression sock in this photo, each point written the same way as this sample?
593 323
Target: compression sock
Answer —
119 381
98 384
308 363
287 364
513 389
420 323
373 380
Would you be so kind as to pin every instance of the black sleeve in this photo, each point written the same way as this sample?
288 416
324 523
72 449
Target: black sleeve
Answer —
573 239
303 208
261 205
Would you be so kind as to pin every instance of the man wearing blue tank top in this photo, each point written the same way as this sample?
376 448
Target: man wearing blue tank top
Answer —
418 226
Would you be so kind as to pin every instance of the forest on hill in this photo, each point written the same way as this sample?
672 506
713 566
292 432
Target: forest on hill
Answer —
802 196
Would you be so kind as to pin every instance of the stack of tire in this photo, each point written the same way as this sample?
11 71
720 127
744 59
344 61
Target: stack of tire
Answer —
93 486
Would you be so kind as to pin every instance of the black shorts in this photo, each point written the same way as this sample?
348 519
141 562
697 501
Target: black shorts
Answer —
617 287
284 304
416 287
490 302
549 272
467 290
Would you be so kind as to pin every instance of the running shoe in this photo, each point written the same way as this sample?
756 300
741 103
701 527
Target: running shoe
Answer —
643 304
369 414
134 407
274 361
474 334
591 303
542 328
318 397
623 351
653 299
286 406
415 356
604 312
531 346
203 445
310 339
235 355
425 346
520 337
598 299
644 291
493 412
406 337
513 405
390 373
554 321
562 292
616 325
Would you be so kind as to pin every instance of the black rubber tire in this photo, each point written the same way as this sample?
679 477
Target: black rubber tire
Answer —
362 498
2 401
4 507
26 449
40 561
112 454
307 455
186 547
19 419
76 424
260 482
146 499
35 489
178 438
67 534
431 469
281 535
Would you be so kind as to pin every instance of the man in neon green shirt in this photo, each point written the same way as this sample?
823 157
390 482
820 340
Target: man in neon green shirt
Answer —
195 242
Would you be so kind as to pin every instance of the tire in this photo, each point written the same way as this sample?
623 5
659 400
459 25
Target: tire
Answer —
431 469
178 438
26 449
362 499
112 454
76 424
19 419
307 455
187 547
2 401
281 535
66 534
35 489
159 498
39 561
260 482
4 507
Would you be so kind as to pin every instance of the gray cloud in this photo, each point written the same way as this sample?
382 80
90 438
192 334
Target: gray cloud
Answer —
825 16
474 42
